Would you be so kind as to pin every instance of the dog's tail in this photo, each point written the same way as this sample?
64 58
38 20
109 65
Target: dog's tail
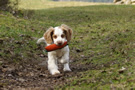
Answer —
41 40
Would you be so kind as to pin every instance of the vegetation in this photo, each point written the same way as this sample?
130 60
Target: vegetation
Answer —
45 4
4 4
88 0
102 49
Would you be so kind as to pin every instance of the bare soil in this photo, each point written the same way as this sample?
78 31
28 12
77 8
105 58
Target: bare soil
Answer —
33 74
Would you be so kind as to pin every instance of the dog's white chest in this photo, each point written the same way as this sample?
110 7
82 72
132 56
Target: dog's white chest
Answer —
60 52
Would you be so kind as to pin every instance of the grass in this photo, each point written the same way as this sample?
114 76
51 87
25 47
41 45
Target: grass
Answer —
45 4
105 36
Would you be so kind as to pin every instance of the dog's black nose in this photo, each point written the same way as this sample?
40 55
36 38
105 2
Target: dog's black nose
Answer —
59 43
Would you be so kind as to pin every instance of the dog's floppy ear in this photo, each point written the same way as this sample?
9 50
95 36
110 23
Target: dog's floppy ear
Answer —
48 35
68 31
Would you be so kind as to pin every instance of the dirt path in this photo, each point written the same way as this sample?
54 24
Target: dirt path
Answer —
34 75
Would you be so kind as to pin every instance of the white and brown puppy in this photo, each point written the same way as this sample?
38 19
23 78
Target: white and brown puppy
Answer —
58 36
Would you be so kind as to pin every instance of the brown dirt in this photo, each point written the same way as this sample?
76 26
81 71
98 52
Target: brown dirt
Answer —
33 74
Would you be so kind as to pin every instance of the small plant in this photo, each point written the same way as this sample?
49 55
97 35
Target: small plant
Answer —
9 5
4 4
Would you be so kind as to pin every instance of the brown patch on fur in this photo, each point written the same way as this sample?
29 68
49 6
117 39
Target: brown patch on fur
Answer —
68 31
48 35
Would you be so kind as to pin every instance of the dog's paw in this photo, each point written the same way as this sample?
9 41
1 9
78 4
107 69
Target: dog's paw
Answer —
54 72
67 70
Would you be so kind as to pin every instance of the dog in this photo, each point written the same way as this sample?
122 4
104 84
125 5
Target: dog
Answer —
57 35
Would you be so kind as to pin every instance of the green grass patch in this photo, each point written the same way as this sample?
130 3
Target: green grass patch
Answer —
46 4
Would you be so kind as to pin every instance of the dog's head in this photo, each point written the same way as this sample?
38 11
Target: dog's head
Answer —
58 35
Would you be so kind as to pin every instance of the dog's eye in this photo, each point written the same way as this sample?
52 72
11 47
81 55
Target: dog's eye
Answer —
55 36
62 35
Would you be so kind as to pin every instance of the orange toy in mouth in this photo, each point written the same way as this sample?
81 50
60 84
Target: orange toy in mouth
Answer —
53 47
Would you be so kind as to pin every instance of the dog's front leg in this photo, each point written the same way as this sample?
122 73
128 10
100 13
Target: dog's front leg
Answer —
65 61
52 64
